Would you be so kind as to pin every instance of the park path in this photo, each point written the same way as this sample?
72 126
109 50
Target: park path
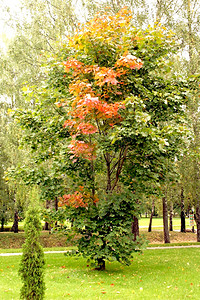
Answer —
20 253
173 247
148 248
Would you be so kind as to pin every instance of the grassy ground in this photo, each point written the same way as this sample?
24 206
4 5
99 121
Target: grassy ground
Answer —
157 223
157 274
10 240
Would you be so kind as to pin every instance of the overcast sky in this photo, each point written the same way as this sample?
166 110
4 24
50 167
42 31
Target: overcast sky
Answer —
5 31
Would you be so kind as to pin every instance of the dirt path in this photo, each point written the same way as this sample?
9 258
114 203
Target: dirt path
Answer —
20 253
172 247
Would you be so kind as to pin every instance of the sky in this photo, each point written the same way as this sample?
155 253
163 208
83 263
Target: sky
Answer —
5 31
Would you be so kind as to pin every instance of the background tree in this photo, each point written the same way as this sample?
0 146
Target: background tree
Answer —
37 25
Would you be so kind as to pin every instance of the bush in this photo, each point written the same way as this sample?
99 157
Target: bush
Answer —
32 263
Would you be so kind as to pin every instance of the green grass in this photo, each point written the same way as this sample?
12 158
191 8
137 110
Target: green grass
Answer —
175 244
158 274
9 225
19 250
157 223
143 222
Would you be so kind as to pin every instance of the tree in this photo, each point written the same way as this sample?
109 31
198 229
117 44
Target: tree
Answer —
186 25
37 25
193 42
12 193
183 18
124 121
32 263
115 133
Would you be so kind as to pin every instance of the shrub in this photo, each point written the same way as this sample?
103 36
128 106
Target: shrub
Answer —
32 263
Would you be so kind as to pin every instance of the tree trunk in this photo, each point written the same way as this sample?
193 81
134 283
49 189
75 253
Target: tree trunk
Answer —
165 221
2 224
56 208
158 11
15 228
183 229
101 264
151 217
192 64
171 217
46 225
135 228
197 219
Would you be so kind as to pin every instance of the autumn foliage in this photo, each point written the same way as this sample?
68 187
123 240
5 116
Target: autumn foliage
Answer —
77 199
94 105
101 63
97 89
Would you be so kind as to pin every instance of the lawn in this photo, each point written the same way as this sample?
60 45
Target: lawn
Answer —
157 224
157 274
10 240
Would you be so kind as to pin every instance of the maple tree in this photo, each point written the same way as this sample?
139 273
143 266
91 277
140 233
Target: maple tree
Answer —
123 120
